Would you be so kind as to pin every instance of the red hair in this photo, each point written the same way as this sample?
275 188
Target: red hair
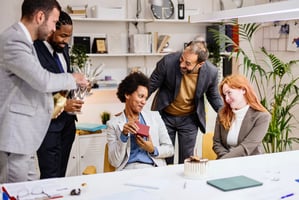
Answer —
237 81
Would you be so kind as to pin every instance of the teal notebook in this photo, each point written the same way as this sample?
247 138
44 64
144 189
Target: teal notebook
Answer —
234 183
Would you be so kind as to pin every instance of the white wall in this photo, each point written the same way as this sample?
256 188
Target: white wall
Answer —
10 12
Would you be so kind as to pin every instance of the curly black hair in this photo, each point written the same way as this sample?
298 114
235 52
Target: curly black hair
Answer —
130 84
64 19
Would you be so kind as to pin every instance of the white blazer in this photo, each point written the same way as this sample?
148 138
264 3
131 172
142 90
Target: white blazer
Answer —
119 151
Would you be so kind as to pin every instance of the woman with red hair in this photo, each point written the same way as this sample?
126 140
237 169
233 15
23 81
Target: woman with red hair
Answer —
242 122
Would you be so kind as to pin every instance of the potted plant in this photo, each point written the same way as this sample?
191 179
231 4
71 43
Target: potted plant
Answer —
78 56
276 86
105 116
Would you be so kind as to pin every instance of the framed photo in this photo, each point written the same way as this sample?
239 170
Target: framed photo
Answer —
99 45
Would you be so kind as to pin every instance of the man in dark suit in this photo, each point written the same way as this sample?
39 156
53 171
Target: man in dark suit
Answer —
182 80
54 151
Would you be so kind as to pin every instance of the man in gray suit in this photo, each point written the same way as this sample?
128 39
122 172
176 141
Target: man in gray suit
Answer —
26 102
183 79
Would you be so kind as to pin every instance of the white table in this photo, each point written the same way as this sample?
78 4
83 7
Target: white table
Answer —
277 171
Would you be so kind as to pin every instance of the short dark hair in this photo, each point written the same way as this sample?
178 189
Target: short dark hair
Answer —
130 84
64 19
30 7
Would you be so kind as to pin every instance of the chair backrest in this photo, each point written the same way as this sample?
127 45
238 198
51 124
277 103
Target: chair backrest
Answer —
207 146
107 166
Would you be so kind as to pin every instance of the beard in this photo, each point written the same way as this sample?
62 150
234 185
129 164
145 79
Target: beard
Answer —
43 32
186 71
57 48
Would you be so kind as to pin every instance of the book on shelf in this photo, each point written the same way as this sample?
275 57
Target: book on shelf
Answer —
154 42
162 42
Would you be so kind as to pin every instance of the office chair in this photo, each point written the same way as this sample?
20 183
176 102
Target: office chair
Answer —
107 166
207 146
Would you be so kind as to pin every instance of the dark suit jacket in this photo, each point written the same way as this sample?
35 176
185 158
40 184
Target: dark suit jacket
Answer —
48 62
167 78
253 129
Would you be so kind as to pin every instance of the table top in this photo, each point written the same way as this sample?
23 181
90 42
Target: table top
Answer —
277 171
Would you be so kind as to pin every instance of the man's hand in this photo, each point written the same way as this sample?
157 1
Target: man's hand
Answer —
80 79
73 105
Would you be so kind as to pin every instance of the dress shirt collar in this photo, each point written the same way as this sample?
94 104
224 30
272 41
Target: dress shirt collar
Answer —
48 45
27 34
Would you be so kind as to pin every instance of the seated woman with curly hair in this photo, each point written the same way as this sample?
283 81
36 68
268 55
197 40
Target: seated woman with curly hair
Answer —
126 148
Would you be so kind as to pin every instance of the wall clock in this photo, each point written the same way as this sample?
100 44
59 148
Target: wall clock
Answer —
162 9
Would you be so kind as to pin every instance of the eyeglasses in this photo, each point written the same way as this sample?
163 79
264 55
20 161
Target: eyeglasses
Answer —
37 191
187 63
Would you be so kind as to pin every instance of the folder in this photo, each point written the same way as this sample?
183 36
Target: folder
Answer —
234 183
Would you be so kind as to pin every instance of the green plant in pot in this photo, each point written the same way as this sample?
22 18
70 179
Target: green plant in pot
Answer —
105 116
78 56
276 86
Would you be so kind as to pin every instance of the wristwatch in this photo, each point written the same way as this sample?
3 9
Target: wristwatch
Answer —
162 9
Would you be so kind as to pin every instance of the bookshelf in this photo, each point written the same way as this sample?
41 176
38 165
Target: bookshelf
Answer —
119 60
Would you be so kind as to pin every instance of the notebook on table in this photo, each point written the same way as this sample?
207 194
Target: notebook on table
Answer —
234 183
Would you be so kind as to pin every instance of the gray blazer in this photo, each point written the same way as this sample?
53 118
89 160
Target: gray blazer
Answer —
167 79
26 101
253 129
119 152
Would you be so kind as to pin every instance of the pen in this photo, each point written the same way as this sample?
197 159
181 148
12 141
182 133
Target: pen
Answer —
286 196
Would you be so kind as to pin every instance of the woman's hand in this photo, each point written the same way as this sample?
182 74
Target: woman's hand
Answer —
147 145
130 127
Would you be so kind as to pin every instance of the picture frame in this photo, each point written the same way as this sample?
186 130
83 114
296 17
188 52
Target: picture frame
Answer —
99 45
